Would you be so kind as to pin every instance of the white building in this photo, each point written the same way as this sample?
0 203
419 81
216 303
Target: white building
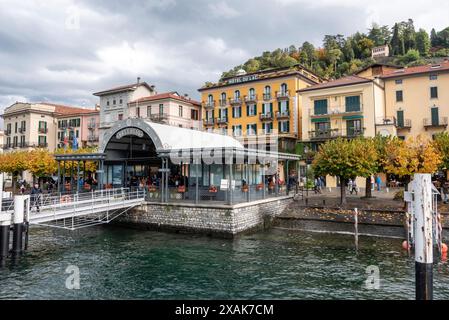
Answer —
382 51
114 102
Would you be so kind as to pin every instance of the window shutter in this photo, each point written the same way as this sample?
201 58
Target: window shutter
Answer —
279 106
287 105
271 107
288 126
400 116
435 120
279 127
247 110
255 109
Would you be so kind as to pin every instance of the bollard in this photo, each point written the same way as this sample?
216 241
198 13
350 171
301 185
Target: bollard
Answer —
5 225
18 222
422 209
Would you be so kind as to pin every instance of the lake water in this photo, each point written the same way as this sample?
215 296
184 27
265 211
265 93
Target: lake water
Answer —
117 263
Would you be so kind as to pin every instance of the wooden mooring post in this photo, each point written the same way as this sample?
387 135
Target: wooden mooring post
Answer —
356 228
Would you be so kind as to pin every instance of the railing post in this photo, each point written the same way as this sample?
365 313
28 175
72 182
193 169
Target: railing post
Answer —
18 221
5 225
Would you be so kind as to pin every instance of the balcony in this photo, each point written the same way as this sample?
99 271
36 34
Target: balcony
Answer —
93 138
91 125
336 133
22 130
7 146
267 96
159 117
208 122
386 121
222 121
406 124
267 116
235 101
338 111
283 95
7 132
42 144
209 104
251 98
435 123
222 103
283 115
42 130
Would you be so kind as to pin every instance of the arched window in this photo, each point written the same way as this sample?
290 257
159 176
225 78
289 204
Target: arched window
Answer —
284 88
237 94
252 93
267 93
210 98
223 96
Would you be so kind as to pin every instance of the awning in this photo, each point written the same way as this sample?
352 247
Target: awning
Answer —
321 120
356 117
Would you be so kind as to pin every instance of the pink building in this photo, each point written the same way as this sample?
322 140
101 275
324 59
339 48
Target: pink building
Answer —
168 108
84 124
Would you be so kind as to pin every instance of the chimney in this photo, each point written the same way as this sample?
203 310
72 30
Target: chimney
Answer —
138 80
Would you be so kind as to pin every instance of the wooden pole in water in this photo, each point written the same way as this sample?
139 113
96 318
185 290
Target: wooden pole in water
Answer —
422 208
356 229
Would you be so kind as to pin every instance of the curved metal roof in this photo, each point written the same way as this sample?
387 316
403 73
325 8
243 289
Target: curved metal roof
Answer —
167 138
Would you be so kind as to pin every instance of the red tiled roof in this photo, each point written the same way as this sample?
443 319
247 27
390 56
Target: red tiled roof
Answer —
345 81
166 95
429 68
67 110
123 88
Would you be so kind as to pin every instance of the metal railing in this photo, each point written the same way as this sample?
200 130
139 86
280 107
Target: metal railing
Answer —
283 115
223 120
337 111
209 122
43 130
223 103
159 117
235 100
267 96
406 124
209 104
439 122
335 133
283 94
266 116
251 98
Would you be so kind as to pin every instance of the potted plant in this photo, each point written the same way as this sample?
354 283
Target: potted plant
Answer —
213 189
245 188
182 189
259 186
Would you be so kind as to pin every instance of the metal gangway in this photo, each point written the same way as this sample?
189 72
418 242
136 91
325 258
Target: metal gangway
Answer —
78 210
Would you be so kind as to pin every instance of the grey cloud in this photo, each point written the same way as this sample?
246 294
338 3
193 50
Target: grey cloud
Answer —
184 43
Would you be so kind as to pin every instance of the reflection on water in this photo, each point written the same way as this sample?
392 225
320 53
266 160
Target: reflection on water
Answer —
118 263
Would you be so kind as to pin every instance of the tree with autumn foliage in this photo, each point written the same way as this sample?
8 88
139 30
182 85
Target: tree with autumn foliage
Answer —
14 163
41 164
346 159
407 157
72 166
441 143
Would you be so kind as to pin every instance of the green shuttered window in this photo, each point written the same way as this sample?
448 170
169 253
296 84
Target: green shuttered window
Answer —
320 107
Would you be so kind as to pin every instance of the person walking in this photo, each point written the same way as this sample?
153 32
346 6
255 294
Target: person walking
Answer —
445 192
354 187
378 182
372 183
36 193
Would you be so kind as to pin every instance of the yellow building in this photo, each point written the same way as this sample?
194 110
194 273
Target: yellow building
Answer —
347 107
258 107
417 99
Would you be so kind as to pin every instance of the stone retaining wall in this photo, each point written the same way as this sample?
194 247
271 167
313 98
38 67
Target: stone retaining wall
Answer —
378 222
216 219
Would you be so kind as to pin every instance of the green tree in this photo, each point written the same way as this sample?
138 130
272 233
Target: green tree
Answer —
396 42
434 40
423 42
346 159
411 56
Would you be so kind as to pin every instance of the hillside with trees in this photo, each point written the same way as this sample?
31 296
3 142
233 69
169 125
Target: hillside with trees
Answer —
339 55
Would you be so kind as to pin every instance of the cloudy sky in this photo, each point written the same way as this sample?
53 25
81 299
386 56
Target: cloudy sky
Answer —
64 50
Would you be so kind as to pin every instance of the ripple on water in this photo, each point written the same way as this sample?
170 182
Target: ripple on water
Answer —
119 263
